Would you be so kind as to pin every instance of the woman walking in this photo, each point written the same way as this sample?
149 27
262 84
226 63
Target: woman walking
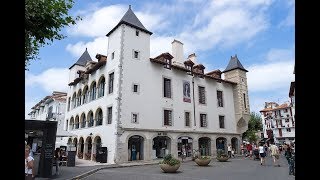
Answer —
261 153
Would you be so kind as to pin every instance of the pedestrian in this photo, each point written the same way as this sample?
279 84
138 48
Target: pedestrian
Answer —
275 154
288 155
249 150
232 152
28 162
242 149
57 159
266 149
229 150
184 153
261 154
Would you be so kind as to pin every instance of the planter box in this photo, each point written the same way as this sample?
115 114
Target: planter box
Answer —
222 159
169 169
203 162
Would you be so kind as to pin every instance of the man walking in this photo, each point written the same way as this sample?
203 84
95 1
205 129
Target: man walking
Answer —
275 154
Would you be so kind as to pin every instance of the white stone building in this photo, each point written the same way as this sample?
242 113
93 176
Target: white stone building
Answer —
51 108
143 108
278 122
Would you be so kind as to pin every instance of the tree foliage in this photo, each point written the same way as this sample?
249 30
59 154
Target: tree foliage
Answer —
44 20
254 125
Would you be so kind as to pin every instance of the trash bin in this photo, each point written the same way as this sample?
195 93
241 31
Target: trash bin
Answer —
71 159
102 155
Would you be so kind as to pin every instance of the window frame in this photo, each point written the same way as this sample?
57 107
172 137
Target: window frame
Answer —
109 82
201 120
163 87
204 92
134 54
222 99
137 118
185 119
163 119
109 115
224 124
138 88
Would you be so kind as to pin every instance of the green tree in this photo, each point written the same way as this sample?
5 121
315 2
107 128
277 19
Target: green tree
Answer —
44 20
254 125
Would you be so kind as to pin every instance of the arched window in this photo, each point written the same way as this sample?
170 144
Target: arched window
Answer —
90 119
74 100
71 123
93 91
99 117
77 122
79 97
85 95
101 87
83 120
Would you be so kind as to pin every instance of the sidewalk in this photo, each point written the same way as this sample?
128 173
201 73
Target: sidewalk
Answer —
84 168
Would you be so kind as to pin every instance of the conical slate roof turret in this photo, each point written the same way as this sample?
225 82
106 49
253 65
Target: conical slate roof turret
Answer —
130 19
84 58
234 63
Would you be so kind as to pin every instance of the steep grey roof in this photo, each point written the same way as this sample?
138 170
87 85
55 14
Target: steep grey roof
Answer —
234 63
130 19
84 58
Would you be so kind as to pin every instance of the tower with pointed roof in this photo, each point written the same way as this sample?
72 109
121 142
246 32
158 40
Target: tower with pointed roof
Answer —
235 72
79 65
128 51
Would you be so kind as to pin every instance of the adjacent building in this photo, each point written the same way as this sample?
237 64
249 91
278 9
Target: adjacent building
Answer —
142 108
278 122
51 108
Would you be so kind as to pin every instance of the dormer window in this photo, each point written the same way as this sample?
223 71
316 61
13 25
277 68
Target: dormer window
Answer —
137 33
167 63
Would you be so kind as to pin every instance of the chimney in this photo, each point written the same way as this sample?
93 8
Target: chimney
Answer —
177 51
192 57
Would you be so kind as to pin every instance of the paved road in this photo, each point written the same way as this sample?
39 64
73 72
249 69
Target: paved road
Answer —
236 169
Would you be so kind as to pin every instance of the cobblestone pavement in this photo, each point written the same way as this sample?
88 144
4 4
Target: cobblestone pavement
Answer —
239 168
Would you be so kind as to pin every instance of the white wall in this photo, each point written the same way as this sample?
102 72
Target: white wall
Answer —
150 103
106 131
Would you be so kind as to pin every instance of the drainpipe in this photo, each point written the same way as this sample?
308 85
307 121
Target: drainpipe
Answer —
194 106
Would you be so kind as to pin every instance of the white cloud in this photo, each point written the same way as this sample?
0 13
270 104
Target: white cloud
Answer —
270 77
280 55
160 44
54 79
98 45
98 23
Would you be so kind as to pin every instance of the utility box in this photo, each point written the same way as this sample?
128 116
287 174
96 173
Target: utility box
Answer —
71 159
102 155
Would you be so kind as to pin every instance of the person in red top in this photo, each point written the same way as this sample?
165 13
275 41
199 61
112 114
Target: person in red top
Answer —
249 149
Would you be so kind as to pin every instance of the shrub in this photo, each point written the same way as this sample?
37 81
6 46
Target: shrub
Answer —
220 153
204 157
170 160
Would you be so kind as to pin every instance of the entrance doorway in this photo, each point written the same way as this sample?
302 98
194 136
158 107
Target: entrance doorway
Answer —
221 143
234 144
135 148
185 144
161 146
204 146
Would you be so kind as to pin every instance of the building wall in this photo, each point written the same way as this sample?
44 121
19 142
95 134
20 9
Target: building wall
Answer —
107 132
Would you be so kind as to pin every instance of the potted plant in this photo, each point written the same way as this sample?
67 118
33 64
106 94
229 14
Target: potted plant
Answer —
169 164
88 156
80 155
221 156
203 160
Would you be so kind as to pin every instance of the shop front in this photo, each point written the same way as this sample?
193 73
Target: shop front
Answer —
185 146
161 146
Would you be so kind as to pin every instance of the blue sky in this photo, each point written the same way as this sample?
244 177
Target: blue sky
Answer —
260 32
